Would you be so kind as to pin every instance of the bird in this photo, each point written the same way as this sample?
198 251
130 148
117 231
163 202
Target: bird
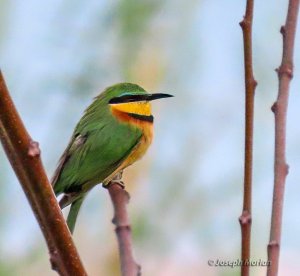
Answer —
114 132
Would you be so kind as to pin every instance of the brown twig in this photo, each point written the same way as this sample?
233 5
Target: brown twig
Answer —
120 198
24 156
250 84
285 74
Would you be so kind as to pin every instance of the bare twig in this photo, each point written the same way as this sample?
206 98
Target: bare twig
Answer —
120 198
285 74
250 84
24 156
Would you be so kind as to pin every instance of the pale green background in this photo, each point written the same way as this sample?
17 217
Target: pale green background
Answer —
187 191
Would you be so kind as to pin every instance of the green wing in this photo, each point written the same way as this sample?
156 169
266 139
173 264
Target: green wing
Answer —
92 157
99 145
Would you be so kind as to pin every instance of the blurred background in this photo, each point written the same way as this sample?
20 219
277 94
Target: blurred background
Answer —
186 194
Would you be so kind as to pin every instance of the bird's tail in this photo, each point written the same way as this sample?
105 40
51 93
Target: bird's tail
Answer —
73 213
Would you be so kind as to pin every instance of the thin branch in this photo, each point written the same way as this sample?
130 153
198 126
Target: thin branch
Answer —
285 74
120 198
24 156
250 84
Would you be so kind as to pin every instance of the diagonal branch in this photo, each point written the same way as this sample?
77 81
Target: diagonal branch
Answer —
120 198
250 84
285 74
24 156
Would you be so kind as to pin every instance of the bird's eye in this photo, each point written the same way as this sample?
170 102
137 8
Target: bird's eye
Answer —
127 99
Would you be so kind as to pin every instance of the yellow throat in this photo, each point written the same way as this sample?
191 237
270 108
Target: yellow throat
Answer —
140 108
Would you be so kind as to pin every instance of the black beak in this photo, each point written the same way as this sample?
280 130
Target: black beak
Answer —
156 96
138 98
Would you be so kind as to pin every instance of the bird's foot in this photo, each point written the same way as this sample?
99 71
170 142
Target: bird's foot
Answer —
112 182
118 176
118 182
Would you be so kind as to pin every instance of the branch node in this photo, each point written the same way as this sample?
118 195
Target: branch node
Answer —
254 83
287 169
120 228
114 220
274 107
273 245
283 30
245 23
286 69
139 268
245 218
53 260
34 149
242 23
127 196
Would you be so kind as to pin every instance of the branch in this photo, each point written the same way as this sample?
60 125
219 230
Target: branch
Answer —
250 84
24 156
120 198
285 74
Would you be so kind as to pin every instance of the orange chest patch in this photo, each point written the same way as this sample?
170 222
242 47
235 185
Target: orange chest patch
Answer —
145 125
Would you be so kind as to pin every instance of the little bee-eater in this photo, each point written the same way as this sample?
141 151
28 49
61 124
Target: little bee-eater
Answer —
114 132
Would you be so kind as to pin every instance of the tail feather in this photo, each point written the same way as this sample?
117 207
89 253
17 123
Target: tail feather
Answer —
73 213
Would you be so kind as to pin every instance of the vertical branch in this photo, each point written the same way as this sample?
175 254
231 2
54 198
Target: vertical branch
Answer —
120 198
250 84
24 156
285 74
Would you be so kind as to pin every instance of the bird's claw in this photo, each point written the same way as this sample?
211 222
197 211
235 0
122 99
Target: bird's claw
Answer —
118 182
118 179
114 181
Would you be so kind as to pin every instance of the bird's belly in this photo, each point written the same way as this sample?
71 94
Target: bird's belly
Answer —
141 148
137 153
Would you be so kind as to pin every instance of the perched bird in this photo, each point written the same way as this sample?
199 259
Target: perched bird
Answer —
114 132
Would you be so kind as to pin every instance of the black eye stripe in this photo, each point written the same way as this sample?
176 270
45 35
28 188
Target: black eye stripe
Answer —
128 99
138 98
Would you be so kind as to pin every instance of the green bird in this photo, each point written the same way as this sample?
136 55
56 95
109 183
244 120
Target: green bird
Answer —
114 132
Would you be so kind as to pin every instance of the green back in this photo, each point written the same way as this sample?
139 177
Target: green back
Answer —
99 144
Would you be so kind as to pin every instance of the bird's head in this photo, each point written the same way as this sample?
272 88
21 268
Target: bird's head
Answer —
132 100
